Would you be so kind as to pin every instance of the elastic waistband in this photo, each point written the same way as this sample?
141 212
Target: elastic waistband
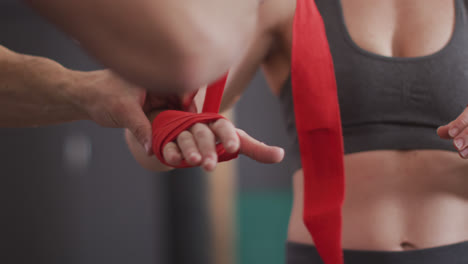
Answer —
297 253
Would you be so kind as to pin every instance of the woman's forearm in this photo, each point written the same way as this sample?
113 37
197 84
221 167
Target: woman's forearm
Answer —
162 45
34 91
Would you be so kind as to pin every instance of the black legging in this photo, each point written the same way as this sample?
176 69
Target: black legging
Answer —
451 254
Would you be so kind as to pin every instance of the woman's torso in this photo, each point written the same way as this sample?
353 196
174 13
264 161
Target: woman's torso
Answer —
395 199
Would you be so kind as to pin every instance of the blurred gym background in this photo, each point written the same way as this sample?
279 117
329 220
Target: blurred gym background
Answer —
72 193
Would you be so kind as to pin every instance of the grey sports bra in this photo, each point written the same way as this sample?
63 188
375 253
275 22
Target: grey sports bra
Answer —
386 102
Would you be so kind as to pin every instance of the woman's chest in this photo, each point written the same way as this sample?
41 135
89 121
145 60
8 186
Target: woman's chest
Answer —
387 28
396 61
398 28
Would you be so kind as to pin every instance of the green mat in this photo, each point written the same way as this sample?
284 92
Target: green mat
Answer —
262 220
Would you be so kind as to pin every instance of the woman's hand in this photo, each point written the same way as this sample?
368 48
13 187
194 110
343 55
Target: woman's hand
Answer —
457 131
198 145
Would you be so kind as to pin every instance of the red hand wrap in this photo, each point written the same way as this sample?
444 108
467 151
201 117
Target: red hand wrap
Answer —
169 124
319 131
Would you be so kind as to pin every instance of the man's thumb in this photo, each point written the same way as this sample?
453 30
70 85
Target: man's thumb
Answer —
141 128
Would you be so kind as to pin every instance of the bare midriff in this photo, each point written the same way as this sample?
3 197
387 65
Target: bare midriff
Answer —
397 200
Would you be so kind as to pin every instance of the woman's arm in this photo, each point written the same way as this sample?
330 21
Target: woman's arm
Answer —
161 45
272 14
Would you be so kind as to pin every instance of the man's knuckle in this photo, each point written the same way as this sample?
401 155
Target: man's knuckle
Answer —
117 106
139 131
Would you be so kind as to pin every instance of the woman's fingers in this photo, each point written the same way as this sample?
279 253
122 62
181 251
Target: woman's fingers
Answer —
198 145
443 131
257 150
206 143
188 147
461 143
172 154
458 131
235 139
454 128
227 135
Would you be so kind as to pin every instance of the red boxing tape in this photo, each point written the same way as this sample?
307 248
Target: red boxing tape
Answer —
169 124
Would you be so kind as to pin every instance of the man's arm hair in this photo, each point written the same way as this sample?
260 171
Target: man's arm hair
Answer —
161 45
34 91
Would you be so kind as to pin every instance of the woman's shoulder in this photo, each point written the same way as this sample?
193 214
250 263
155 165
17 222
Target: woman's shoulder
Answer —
274 14
277 18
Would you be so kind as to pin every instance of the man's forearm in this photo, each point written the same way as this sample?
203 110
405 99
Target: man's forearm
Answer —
34 91
162 45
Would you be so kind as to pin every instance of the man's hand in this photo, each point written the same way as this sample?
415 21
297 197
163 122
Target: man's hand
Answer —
36 91
112 102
